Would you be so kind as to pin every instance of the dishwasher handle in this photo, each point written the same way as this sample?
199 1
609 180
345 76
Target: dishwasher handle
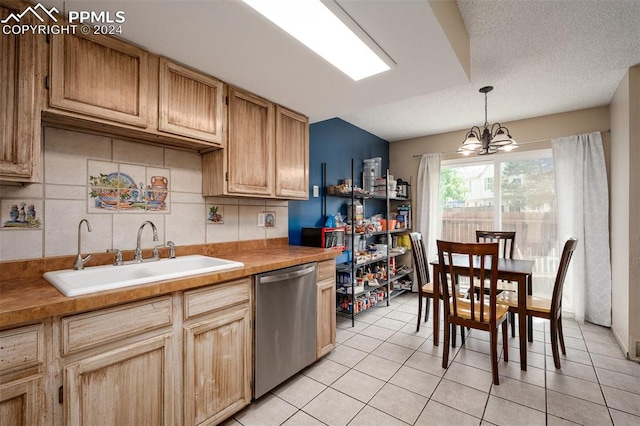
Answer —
286 276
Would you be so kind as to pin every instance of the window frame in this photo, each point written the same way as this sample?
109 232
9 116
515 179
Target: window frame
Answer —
497 161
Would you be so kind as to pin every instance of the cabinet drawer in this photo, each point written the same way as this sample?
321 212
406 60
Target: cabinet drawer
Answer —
219 296
326 269
96 328
21 348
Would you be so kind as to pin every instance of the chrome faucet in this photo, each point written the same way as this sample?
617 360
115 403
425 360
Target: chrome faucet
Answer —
117 261
80 261
172 250
155 238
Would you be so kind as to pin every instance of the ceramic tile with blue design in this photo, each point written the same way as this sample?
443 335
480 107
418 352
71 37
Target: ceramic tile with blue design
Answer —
21 214
104 186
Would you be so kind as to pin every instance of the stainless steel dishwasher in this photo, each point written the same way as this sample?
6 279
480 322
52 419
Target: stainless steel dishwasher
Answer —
285 325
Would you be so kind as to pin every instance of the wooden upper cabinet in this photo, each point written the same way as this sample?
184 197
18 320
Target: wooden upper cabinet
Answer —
191 103
250 147
19 123
266 155
292 154
101 77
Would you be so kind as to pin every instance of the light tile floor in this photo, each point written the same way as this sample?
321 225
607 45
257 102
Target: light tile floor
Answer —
383 372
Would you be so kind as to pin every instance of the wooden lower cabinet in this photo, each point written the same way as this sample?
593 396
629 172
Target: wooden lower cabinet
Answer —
218 343
217 380
20 402
118 365
326 309
22 364
131 385
178 359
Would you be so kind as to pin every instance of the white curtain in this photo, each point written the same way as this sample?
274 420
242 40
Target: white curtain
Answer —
583 212
428 192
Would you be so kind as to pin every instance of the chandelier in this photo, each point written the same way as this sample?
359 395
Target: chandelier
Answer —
490 139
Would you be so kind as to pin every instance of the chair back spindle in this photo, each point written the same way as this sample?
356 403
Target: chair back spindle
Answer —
506 240
482 272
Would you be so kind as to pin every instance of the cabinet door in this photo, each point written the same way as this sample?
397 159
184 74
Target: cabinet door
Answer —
99 77
131 385
190 103
19 129
217 374
326 331
20 402
292 154
250 145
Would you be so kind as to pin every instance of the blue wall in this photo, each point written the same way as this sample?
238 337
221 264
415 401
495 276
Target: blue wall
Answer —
335 142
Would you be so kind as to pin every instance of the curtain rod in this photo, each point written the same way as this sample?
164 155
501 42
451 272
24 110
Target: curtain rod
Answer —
523 143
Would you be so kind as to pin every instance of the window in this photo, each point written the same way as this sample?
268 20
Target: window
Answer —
488 184
510 192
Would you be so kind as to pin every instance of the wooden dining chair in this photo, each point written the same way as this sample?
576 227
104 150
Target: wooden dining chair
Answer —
481 312
420 264
550 309
425 287
506 246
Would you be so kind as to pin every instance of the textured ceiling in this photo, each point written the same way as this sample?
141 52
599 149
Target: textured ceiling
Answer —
542 57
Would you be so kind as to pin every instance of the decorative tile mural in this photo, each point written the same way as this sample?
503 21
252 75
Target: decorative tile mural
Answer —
267 219
21 214
127 188
216 214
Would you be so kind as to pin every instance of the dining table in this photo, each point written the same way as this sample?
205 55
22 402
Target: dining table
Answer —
516 270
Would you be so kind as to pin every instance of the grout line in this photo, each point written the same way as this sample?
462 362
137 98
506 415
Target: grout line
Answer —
595 370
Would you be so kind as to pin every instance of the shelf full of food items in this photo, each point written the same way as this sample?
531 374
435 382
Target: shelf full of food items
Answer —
377 275
370 273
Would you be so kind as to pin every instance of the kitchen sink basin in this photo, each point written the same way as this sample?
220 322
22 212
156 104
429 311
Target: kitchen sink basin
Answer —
109 277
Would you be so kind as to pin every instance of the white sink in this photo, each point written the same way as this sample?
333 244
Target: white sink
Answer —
109 277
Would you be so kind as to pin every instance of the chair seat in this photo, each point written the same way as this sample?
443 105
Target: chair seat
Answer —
428 288
534 303
464 310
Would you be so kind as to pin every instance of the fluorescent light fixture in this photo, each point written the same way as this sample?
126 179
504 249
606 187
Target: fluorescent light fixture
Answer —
315 26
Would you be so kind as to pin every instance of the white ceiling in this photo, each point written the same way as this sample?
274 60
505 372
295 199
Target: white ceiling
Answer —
542 57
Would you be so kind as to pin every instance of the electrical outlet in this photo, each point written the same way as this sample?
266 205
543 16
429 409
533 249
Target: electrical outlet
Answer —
316 191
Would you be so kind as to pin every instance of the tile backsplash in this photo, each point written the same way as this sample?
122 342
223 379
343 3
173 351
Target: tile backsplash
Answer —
162 185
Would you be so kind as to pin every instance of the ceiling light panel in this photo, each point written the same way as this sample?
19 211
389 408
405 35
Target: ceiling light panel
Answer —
315 26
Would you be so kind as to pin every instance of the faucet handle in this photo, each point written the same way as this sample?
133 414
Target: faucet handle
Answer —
156 254
172 249
118 259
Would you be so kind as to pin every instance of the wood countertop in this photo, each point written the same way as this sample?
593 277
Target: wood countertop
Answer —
26 299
